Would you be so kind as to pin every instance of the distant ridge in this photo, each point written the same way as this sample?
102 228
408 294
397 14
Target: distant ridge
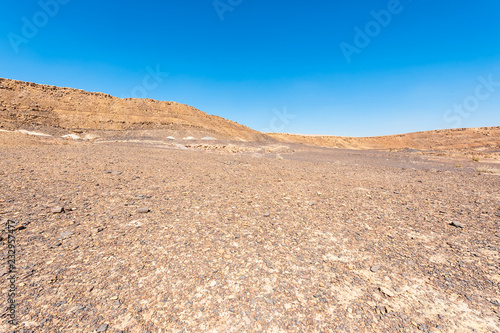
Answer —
30 105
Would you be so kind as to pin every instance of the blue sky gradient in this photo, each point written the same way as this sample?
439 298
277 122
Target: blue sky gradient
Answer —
272 65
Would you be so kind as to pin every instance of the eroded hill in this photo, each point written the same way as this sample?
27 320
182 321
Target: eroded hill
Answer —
30 104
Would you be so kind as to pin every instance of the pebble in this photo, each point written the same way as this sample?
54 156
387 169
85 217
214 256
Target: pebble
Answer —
143 210
267 214
102 328
65 234
57 210
97 230
457 224
386 292
375 268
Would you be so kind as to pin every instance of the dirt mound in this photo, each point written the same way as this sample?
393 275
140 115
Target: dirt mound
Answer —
28 104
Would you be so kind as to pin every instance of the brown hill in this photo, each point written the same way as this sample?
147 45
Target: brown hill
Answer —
25 105
480 139
28 104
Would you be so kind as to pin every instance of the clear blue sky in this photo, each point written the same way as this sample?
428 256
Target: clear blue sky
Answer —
264 57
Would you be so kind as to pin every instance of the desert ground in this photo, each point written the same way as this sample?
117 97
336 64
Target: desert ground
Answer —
129 227
273 238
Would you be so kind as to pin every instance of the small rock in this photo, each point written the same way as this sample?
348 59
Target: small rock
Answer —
102 328
97 230
267 214
19 226
375 268
108 171
57 210
386 292
457 224
116 172
143 210
65 234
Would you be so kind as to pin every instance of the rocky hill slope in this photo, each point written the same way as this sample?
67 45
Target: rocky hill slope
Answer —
25 105
30 104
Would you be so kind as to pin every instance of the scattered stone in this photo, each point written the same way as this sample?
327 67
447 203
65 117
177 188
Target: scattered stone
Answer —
136 223
143 210
98 230
19 226
375 268
57 210
267 214
270 301
65 234
102 328
116 172
387 292
108 171
457 224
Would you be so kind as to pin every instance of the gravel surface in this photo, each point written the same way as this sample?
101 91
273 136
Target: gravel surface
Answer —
137 237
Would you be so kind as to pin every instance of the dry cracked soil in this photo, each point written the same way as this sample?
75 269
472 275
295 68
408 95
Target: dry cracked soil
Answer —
137 236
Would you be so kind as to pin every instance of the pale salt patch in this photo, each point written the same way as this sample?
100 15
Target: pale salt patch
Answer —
89 137
2 130
189 138
208 138
170 137
33 133
71 136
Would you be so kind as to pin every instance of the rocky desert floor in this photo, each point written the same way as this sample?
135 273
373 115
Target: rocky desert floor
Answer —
136 235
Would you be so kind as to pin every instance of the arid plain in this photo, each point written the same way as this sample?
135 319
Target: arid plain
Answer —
144 216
